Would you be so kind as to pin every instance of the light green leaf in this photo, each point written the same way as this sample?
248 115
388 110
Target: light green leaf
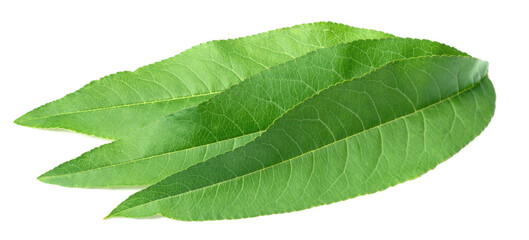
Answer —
355 138
117 104
232 118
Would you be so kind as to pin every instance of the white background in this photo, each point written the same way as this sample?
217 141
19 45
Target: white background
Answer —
50 48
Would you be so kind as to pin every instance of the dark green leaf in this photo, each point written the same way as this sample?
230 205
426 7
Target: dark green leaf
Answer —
232 118
355 138
117 104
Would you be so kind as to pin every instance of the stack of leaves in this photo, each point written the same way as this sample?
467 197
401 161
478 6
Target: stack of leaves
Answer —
271 123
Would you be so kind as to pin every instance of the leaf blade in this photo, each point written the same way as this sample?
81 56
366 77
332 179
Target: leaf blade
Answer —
235 117
117 104
459 113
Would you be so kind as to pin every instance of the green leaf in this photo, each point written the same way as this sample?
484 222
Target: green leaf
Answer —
357 137
232 118
117 104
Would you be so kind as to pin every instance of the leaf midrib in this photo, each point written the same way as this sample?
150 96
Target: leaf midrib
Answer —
311 151
121 106
149 157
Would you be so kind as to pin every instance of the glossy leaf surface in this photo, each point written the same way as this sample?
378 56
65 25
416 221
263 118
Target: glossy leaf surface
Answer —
233 118
354 138
118 104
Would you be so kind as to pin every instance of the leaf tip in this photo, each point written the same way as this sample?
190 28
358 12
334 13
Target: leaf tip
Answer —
45 177
112 214
20 120
27 120
42 178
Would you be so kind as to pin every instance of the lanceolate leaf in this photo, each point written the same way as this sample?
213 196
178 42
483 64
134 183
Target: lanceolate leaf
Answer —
355 138
117 104
234 117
